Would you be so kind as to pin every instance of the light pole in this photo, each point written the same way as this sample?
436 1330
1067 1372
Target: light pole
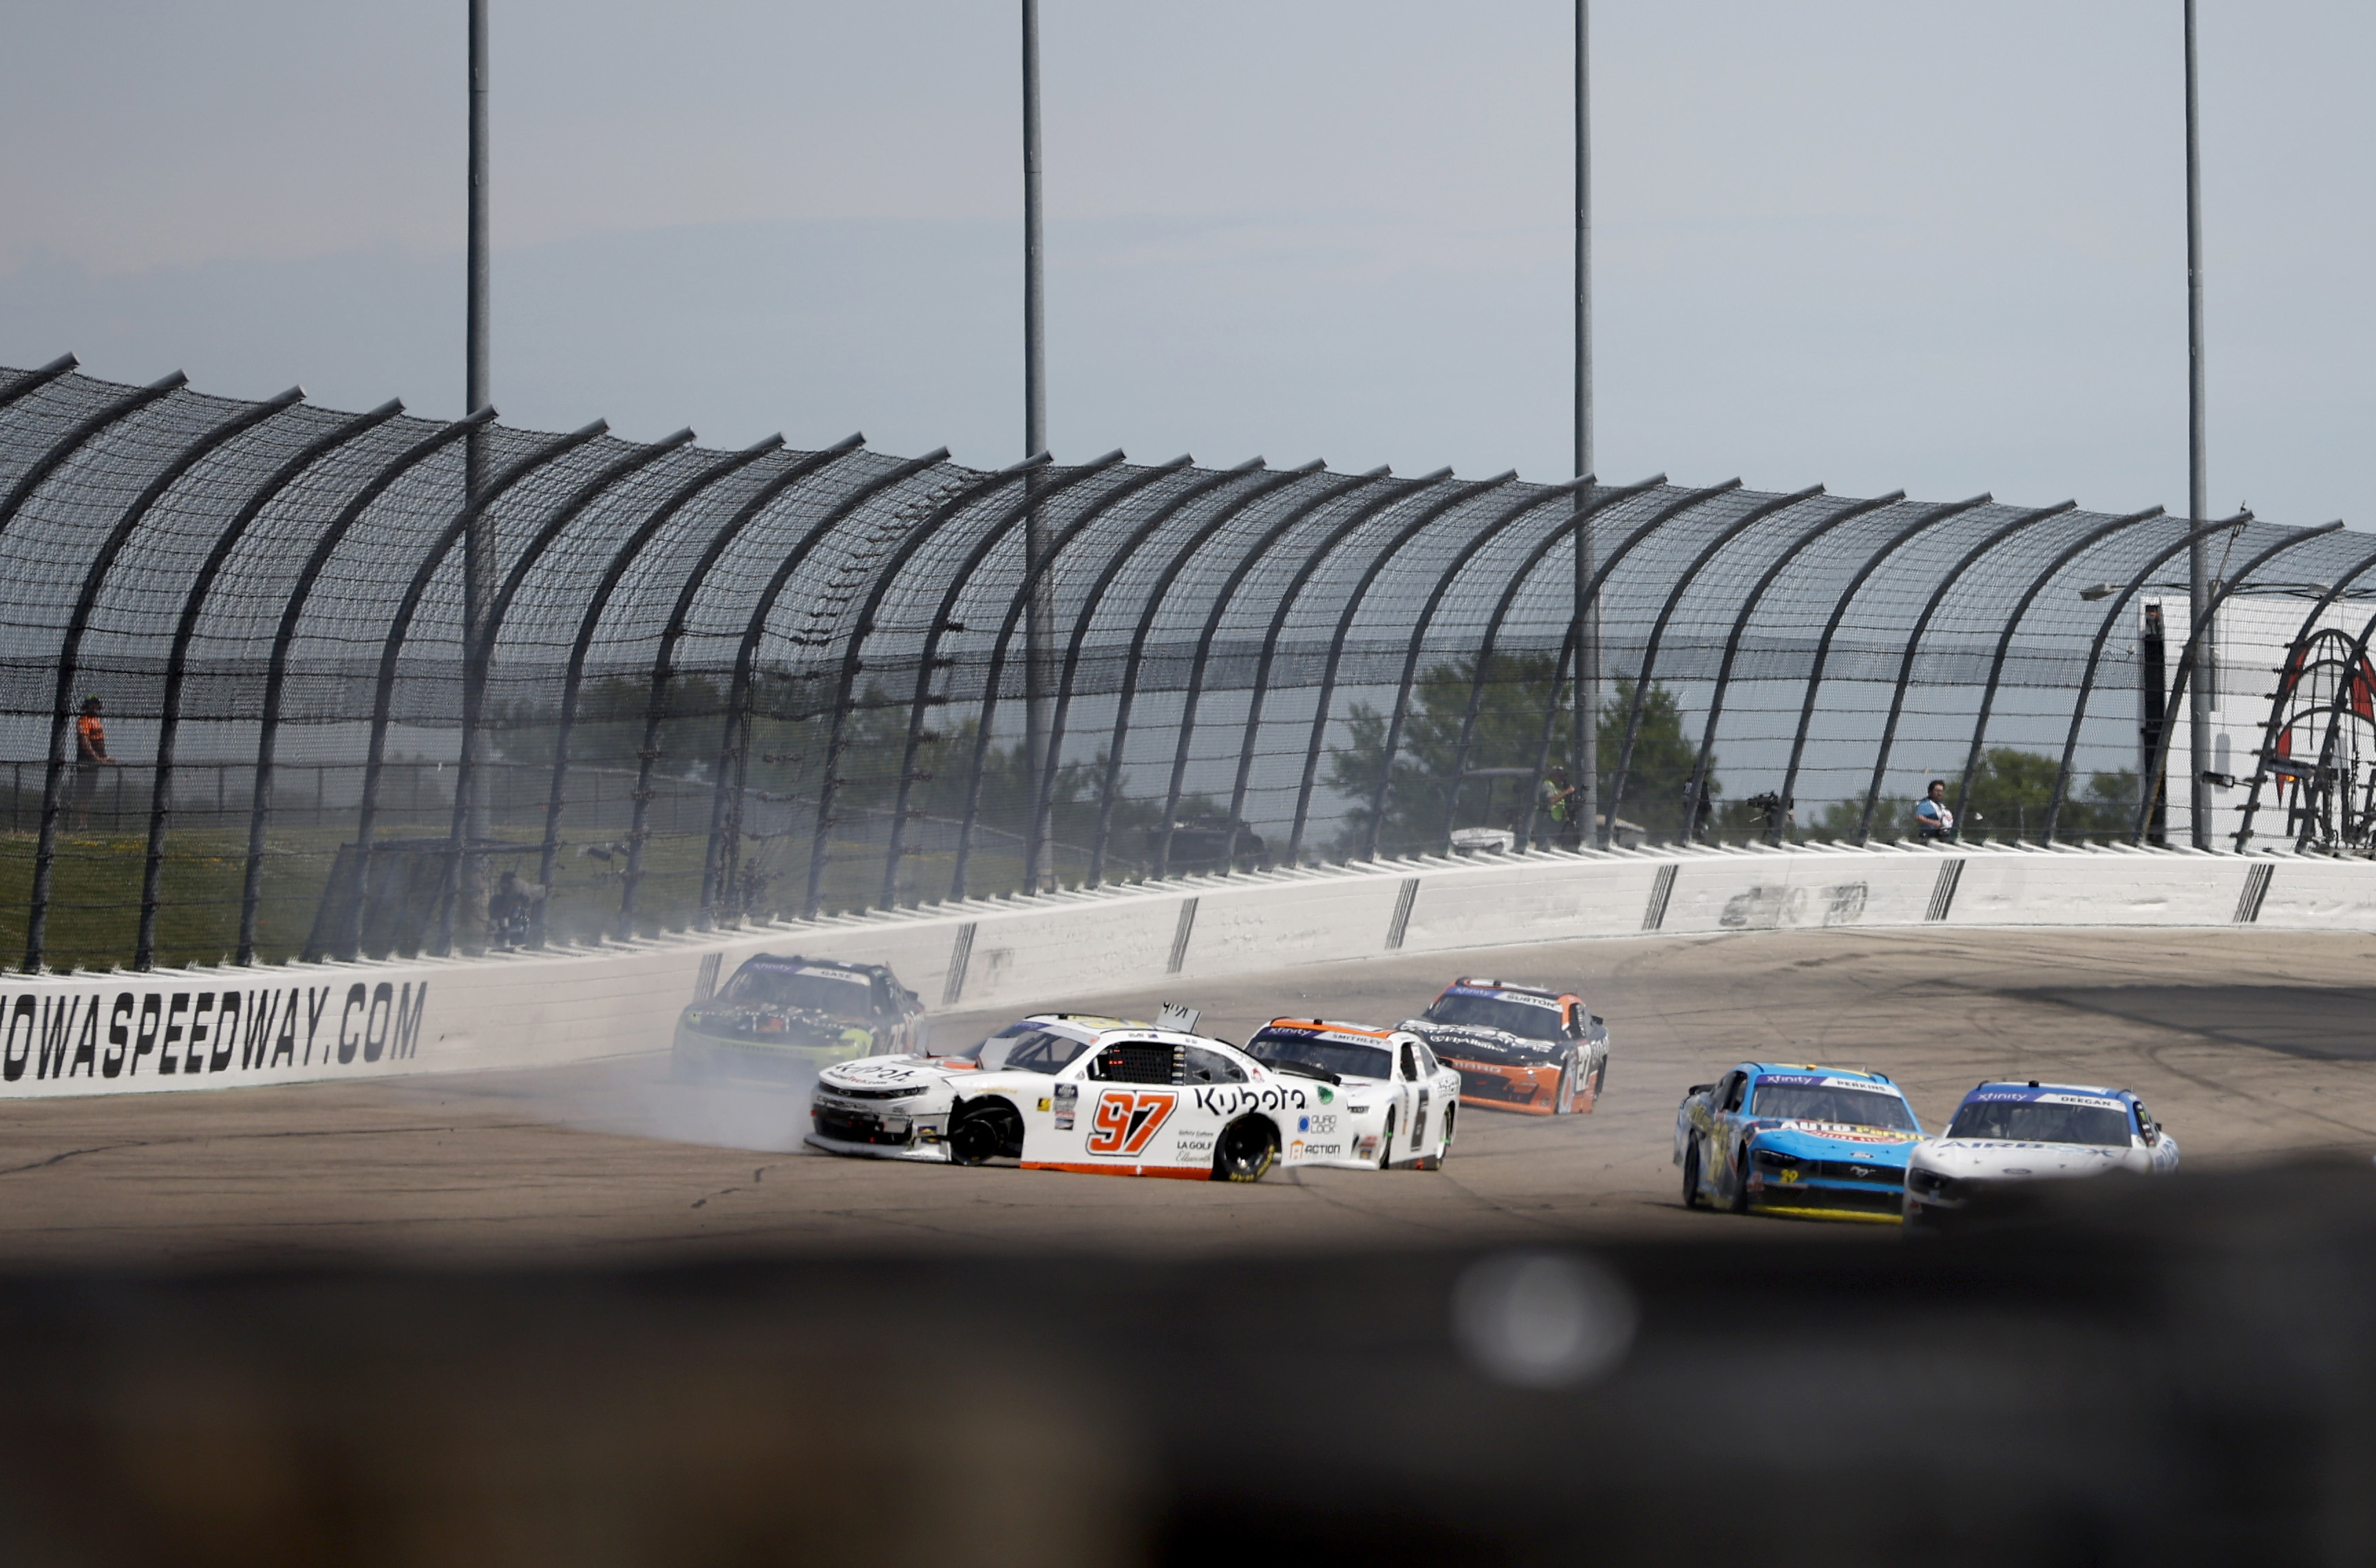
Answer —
1583 747
1039 613
479 541
2198 556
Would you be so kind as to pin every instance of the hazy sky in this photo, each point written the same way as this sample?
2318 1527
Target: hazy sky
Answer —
1875 244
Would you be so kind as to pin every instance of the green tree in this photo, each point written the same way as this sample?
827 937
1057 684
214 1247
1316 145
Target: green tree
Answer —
1508 734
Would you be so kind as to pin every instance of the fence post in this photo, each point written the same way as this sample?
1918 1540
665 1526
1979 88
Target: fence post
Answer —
2096 654
1689 501
1507 518
1127 552
1740 630
1353 602
2004 645
1039 494
949 509
51 460
1647 671
1946 584
392 649
1135 655
1889 547
177 660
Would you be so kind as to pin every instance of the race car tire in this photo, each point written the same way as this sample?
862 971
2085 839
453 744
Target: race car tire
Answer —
1599 1078
1247 1147
1692 1198
1444 1149
1740 1181
1386 1144
984 1131
1563 1098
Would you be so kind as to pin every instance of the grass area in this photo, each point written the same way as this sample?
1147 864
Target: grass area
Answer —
94 913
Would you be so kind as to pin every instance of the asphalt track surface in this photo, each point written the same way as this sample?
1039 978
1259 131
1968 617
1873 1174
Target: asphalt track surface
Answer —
2247 1045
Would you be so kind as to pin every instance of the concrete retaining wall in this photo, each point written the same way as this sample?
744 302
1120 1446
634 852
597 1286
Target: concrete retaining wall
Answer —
119 1033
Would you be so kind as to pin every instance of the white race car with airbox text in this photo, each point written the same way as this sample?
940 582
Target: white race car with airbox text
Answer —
2033 1132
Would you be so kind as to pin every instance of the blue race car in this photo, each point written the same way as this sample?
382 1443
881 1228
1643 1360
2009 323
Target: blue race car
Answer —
1811 1143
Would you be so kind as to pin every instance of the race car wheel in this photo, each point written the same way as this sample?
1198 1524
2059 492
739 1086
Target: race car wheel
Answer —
1386 1144
982 1133
1692 1198
1444 1150
1599 1077
1562 1100
1740 1181
1248 1146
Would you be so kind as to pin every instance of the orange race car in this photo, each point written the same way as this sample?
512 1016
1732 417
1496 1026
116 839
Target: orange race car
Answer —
1517 1047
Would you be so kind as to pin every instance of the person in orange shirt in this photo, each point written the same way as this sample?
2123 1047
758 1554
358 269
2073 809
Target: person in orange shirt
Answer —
90 756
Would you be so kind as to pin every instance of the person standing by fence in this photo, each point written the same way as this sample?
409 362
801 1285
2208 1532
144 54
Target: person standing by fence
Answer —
1932 819
90 756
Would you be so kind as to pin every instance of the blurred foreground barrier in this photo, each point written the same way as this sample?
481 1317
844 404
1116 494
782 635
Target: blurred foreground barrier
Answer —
215 1028
2128 1372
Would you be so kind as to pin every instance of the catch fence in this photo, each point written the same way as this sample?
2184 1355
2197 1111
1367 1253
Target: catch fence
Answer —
347 687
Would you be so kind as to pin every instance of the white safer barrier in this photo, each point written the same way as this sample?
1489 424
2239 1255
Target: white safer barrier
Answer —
217 1028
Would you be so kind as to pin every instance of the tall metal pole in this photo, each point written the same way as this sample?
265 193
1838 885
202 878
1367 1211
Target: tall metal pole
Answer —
1038 616
2198 559
479 565
1584 748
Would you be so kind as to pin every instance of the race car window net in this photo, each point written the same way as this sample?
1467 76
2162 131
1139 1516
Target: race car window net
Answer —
1853 1108
1525 1020
1137 1062
1041 1051
805 993
1347 1061
2030 1122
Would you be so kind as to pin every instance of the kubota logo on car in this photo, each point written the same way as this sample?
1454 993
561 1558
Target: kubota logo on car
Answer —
1126 1119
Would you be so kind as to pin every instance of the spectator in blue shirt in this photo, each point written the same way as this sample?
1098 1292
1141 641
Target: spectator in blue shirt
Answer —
1932 820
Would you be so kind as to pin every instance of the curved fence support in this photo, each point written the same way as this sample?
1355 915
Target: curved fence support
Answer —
37 916
1508 518
1681 506
2269 732
1039 494
2071 552
948 512
1157 597
1266 660
185 630
1203 657
1353 602
384 689
1955 575
64 449
2095 658
276 670
2337 709
1839 613
1061 711
1698 780
2150 785
1039 799
476 671
34 380
1647 672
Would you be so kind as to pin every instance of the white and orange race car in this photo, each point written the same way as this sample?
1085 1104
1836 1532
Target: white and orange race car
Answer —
1517 1047
1129 1099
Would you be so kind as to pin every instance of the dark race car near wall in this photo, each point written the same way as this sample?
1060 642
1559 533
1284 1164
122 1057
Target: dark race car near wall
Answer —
782 1017
1517 1047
